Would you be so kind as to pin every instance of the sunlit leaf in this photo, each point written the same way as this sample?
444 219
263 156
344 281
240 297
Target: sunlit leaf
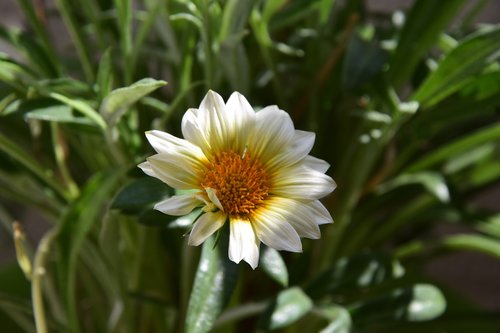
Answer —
457 147
340 320
58 113
458 67
272 263
213 285
431 181
289 306
420 302
423 25
115 104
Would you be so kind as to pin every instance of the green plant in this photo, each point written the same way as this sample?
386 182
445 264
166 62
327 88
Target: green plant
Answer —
406 112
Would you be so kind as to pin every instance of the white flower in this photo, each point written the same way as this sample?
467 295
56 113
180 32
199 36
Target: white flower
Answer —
251 168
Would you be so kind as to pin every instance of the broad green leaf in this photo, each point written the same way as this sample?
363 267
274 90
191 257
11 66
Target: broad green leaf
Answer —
353 273
289 306
458 67
213 285
58 113
432 181
140 194
363 60
424 24
428 303
457 147
80 106
65 86
115 105
340 320
420 302
272 263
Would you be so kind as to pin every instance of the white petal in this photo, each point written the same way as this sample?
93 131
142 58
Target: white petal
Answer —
243 243
298 149
195 130
212 195
274 231
298 214
175 170
215 121
205 226
302 183
273 132
146 168
164 142
243 119
316 164
178 205
321 214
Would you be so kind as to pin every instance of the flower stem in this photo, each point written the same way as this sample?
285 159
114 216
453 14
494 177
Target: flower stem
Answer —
39 272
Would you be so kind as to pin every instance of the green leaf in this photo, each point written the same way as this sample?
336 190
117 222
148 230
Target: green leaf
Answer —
140 194
155 218
105 75
428 303
234 63
213 285
289 306
235 17
80 106
115 105
424 24
457 147
491 226
460 66
352 273
432 181
26 160
340 320
272 263
19 311
478 243
74 228
58 113
363 61
420 302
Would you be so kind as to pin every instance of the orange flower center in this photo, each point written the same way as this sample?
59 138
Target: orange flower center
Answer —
240 182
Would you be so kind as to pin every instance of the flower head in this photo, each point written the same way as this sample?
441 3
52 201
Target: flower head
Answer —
249 168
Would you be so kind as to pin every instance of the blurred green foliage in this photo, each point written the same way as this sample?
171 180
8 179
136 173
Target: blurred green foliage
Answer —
405 107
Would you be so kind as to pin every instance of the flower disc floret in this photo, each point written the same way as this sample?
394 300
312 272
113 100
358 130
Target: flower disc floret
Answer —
240 182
